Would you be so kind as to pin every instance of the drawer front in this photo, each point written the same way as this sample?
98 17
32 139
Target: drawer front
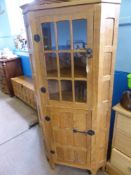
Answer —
110 170
3 83
122 142
124 124
121 162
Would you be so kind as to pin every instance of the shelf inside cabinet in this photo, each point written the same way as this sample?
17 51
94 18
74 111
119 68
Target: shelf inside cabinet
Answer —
80 72
52 73
54 96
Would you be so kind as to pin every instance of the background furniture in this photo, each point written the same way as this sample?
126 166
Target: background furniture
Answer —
73 63
9 68
120 162
24 89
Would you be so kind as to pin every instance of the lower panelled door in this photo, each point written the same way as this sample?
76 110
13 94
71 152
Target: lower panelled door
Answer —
72 137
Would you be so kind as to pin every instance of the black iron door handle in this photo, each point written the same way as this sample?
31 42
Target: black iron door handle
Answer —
88 132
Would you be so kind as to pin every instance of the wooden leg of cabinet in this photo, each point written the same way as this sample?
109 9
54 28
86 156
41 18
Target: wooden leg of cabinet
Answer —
103 168
52 164
94 172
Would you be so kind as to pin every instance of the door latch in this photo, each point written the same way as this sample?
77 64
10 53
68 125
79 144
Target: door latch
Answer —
88 132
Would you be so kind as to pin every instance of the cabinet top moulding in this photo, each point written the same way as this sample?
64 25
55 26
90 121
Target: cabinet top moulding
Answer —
40 5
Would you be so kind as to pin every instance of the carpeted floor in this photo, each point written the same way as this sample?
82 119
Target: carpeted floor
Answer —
24 155
15 117
22 151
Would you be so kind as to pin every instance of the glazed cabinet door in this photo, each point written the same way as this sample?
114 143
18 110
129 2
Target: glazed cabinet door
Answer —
71 136
66 51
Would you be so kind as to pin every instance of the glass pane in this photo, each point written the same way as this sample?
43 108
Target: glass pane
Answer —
51 64
80 91
53 89
66 86
49 36
79 33
63 28
65 64
80 65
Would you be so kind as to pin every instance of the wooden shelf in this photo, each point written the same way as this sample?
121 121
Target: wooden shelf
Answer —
80 72
67 96
65 73
54 96
52 73
66 51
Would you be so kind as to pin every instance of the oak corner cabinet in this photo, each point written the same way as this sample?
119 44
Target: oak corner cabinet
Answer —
72 48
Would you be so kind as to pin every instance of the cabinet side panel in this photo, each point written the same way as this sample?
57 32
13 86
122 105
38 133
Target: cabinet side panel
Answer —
107 51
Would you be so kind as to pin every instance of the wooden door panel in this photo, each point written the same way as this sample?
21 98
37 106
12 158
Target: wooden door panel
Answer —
81 140
71 146
66 120
62 119
69 155
78 157
81 157
63 137
65 154
82 120
60 153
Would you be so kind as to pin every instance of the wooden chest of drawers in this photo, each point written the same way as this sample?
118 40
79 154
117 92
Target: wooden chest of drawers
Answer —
121 150
9 69
24 89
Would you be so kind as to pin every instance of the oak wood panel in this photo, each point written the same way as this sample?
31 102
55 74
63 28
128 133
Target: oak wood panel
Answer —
103 20
77 145
104 81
